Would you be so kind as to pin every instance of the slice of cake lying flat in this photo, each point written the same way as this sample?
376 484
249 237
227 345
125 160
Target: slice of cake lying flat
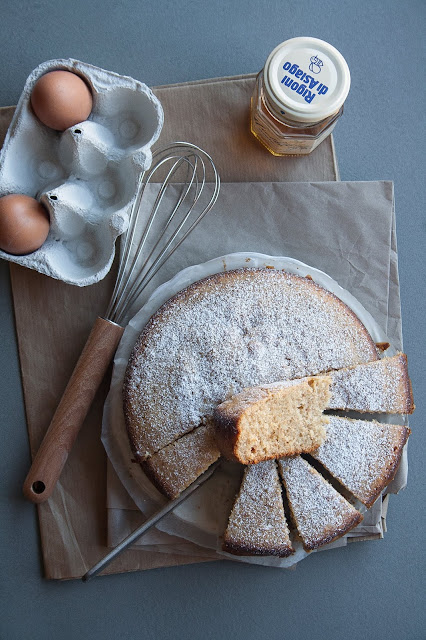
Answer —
320 513
273 421
257 524
364 456
175 467
381 386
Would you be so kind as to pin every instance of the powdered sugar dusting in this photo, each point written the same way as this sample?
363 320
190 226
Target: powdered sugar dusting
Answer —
239 329
179 464
257 524
321 514
380 386
362 454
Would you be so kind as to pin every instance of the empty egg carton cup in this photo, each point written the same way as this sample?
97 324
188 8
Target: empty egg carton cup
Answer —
87 175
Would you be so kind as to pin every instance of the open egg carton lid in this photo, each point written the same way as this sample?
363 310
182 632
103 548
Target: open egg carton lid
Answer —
85 176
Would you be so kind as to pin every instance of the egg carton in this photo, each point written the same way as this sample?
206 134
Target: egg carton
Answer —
86 176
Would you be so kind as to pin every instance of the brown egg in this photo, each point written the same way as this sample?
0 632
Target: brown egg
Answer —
24 224
61 99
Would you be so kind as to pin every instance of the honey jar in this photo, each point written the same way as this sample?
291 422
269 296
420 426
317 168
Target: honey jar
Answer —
299 96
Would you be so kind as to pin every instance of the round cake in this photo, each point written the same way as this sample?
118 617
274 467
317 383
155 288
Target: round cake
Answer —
242 329
229 331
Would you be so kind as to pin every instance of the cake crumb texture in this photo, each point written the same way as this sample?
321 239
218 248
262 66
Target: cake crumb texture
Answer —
281 419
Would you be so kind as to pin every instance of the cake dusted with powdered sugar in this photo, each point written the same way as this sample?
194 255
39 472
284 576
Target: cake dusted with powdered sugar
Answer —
381 386
261 328
175 467
319 512
363 455
233 330
257 524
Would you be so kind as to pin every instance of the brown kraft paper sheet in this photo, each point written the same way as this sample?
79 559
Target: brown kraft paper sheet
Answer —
73 522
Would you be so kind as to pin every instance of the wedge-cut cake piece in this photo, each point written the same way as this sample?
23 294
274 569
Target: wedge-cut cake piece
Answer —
257 524
175 467
271 421
363 455
381 386
320 513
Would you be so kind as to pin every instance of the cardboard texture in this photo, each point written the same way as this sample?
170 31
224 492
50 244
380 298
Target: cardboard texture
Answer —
53 321
86 177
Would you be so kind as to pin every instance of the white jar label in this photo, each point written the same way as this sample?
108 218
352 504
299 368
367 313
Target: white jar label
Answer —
309 79
306 79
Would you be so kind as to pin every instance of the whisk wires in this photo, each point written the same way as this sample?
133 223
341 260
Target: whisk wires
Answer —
136 272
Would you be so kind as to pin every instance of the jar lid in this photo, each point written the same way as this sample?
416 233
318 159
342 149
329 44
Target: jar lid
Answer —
306 79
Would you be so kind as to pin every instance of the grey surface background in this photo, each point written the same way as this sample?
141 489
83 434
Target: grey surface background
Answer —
373 590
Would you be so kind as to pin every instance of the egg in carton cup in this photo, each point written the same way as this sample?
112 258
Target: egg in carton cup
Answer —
84 175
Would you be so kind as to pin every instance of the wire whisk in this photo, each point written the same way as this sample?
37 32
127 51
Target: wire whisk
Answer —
134 274
194 165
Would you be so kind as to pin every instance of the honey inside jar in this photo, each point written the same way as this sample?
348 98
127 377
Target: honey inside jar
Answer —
293 107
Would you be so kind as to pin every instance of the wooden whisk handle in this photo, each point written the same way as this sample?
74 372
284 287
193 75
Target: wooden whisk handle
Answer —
72 410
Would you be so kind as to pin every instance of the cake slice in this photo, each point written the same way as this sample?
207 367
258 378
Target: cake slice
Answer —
257 524
381 386
272 421
320 513
363 455
175 467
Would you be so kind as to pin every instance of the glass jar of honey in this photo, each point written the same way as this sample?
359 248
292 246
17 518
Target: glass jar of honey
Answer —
299 96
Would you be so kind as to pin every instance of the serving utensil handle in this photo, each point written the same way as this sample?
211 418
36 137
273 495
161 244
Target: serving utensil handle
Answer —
72 410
